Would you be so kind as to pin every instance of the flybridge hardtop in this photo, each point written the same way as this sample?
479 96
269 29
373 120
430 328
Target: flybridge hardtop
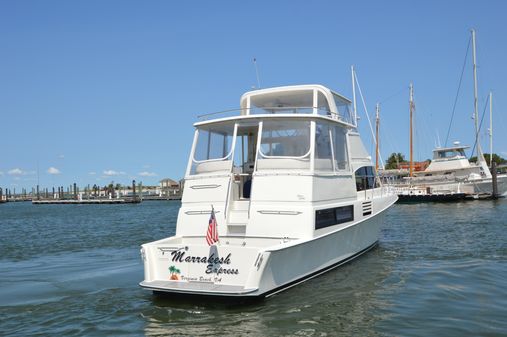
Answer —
292 100
293 194
450 159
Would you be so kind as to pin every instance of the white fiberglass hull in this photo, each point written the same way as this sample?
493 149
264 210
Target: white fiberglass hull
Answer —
486 186
468 187
178 265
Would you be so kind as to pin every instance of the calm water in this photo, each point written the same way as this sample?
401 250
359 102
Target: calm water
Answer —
440 269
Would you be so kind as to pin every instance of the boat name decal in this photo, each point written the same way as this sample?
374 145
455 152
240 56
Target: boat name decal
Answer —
213 262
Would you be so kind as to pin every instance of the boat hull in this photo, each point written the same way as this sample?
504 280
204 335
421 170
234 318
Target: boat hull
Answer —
264 271
485 186
451 197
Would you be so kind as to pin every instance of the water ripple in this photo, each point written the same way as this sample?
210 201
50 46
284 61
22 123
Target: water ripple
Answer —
440 269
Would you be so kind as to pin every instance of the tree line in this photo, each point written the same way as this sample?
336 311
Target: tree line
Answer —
395 159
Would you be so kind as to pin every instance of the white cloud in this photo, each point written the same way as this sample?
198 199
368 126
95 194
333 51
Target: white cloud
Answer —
92 173
147 166
19 172
61 156
113 173
1 173
15 172
147 174
53 170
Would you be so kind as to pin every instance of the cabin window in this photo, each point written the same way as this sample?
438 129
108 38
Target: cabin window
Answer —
450 153
333 216
285 144
365 178
322 104
343 108
323 150
213 149
292 102
285 138
330 144
340 148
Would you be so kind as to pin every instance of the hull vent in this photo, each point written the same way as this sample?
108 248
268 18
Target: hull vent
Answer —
367 208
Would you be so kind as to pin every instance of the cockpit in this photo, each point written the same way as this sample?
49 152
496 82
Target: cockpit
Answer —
306 132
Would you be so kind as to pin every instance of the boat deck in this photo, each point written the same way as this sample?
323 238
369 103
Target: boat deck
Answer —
231 241
195 286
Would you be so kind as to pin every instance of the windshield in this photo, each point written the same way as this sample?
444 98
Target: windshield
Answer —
282 138
213 147
450 153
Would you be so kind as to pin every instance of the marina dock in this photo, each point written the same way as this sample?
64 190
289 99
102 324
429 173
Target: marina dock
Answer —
87 201
111 194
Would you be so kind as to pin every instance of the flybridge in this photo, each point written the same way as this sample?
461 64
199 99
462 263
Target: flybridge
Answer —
311 99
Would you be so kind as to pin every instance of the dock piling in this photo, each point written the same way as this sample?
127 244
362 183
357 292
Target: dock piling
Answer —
494 180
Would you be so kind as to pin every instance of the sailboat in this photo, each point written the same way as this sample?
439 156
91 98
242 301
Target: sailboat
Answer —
450 176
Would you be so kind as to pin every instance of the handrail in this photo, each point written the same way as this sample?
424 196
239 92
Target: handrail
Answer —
294 108
220 112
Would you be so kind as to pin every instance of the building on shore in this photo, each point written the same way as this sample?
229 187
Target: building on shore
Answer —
169 187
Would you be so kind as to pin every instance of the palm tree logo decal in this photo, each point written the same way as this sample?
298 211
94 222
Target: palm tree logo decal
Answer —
174 273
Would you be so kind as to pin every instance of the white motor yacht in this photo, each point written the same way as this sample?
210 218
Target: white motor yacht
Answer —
450 176
473 178
277 194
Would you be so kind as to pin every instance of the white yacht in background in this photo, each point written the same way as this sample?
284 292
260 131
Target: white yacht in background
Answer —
276 195
450 165
449 177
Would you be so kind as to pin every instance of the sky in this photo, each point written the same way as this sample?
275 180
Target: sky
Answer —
95 92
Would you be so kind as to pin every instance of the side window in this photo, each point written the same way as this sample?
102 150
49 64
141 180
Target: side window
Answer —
365 178
360 179
333 216
323 151
340 148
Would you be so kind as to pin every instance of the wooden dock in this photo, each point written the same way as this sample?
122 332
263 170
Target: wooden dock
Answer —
161 198
86 201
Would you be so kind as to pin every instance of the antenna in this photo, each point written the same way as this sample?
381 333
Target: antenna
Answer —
438 140
257 73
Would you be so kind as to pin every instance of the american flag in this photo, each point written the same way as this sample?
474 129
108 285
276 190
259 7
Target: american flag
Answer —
212 233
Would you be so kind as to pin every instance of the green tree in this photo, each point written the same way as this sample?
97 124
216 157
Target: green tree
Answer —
393 160
496 158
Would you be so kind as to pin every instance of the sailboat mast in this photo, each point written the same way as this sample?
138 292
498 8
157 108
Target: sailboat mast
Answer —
480 155
411 164
490 129
377 127
354 105
476 109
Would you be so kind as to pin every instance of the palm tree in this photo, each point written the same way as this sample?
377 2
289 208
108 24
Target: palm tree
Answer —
174 273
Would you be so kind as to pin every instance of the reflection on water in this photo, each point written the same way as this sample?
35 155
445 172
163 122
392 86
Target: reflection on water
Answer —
440 269
344 299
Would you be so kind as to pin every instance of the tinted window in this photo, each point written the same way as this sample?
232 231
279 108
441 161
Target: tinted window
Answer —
365 178
333 216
